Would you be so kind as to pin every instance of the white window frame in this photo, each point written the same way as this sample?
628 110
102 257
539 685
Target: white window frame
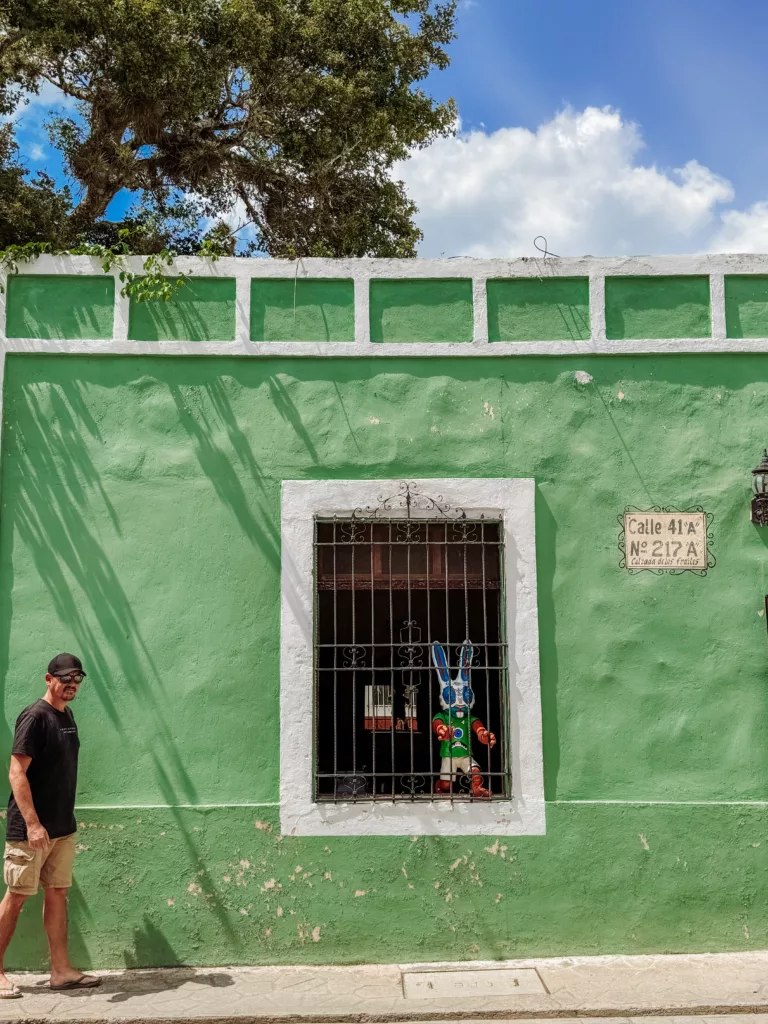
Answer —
300 814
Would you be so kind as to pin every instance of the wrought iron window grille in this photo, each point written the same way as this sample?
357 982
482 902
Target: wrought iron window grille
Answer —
391 580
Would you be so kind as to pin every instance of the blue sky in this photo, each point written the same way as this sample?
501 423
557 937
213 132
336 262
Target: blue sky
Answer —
577 119
692 73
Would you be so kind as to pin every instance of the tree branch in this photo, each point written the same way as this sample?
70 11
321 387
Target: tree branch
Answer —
66 88
255 217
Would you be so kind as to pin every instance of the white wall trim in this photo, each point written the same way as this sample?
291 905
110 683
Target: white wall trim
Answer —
480 311
307 349
513 499
597 310
362 271
717 304
464 266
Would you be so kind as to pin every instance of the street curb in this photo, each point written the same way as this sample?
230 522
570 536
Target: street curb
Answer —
430 1015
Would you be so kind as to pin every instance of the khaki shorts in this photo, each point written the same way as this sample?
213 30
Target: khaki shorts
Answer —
451 766
24 868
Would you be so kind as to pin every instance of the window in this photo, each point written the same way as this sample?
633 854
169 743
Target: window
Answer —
387 590
379 578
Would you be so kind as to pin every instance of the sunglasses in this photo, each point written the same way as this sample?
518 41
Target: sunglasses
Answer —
72 677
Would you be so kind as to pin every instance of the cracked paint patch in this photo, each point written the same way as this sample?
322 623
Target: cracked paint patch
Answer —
497 848
582 377
644 841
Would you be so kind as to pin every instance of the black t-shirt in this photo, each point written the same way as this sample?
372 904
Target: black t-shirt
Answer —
49 737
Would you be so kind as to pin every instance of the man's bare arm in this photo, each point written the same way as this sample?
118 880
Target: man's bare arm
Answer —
36 834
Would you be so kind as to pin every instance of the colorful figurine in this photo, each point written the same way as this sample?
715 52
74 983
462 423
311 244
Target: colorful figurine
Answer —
454 723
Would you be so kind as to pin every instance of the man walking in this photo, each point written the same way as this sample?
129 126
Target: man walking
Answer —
40 834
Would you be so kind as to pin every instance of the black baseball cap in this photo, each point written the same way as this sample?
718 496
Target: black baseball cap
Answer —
64 663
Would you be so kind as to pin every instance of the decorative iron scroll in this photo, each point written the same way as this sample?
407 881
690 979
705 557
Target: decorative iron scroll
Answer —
661 538
409 498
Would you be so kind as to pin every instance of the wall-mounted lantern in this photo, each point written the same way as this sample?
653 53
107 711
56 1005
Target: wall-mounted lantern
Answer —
760 490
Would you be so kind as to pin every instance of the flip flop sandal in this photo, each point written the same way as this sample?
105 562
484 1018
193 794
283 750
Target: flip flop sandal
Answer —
84 981
10 993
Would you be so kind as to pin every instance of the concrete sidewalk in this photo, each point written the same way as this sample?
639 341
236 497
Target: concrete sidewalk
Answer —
601 987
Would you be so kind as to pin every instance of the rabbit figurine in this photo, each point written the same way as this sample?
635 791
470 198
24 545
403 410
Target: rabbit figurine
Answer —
455 722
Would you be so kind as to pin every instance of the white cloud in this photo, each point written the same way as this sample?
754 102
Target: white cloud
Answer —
34 107
743 230
578 181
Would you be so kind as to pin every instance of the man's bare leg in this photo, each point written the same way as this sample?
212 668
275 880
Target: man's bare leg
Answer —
55 921
10 908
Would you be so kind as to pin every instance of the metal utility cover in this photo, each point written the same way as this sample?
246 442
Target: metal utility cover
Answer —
504 981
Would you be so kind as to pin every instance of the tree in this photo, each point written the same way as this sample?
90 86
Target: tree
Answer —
292 111
35 211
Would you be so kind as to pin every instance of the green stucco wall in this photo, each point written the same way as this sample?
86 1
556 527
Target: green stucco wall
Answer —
538 309
657 307
302 309
202 309
60 306
140 527
422 309
746 305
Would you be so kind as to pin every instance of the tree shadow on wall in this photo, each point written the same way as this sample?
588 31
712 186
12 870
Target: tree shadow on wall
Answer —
205 412
56 479
209 891
201 410
57 484
150 949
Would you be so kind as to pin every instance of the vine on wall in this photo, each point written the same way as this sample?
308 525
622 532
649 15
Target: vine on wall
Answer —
152 283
